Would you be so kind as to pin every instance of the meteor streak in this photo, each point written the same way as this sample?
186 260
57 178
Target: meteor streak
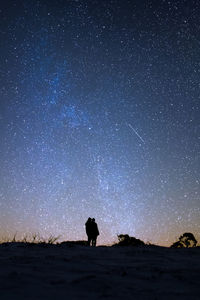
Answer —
136 133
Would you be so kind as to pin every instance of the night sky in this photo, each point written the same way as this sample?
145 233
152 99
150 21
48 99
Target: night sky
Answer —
99 117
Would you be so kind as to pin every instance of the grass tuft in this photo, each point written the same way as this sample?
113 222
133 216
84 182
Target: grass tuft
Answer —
30 239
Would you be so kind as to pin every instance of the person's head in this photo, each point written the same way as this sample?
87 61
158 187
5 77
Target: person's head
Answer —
89 219
93 219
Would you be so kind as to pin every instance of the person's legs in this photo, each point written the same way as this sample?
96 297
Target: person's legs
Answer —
94 241
89 240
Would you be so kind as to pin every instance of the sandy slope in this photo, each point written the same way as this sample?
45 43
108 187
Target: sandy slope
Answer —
78 272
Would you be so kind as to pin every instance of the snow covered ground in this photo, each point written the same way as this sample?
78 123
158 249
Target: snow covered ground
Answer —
78 272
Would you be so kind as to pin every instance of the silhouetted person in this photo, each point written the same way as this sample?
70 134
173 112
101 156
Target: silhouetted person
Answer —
88 230
94 232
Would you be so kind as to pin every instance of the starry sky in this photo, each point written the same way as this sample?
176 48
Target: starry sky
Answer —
99 117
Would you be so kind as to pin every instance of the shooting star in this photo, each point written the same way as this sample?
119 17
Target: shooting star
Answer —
136 133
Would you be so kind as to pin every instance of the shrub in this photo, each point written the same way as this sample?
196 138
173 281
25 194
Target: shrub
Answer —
74 243
126 240
187 240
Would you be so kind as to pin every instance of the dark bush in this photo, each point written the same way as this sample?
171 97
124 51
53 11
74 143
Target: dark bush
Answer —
74 243
126 240
187 240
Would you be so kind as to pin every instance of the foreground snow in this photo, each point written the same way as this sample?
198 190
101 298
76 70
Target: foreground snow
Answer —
78 272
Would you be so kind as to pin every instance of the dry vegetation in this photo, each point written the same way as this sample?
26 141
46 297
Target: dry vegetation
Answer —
31 239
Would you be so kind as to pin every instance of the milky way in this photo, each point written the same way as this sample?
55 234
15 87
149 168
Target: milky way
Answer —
99 117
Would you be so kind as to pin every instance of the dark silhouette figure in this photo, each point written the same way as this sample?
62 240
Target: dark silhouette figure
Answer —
92 231
88 230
